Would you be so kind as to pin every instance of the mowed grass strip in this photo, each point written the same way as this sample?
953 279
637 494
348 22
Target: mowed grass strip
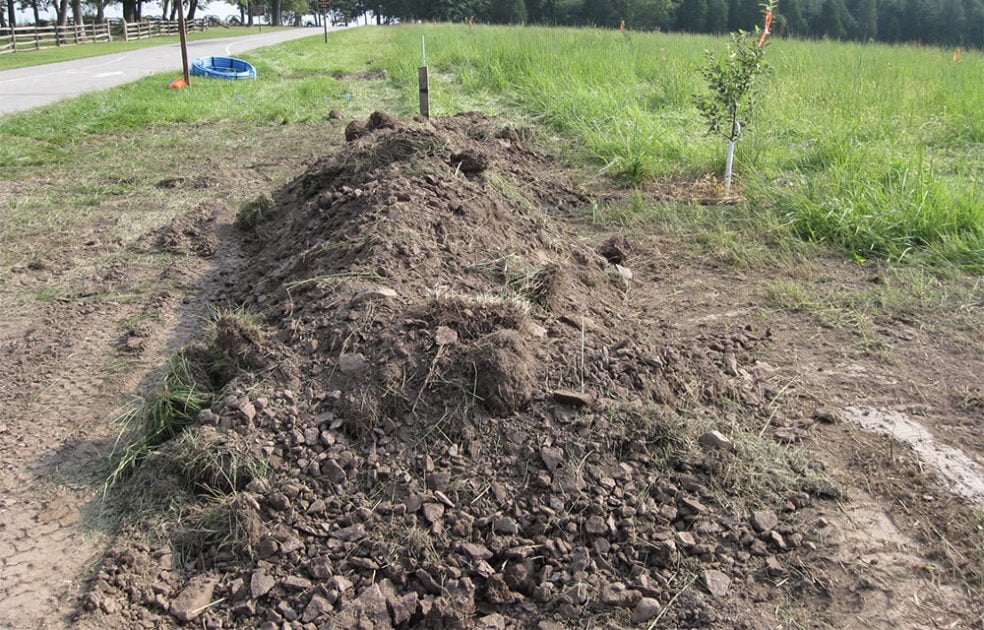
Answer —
876 150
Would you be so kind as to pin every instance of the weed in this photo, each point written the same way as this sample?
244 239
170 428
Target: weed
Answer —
223 523
214 462
235 343
160 417
254 213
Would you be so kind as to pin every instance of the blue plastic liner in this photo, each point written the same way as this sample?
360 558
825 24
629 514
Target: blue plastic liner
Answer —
223 68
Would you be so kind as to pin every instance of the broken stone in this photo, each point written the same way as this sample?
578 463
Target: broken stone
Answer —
505 525
320 568
646 610
717 582
551 456
433 512
194 598
596 525
260 584
715 440
764 520
476 551
402 608
368 610
352 363
445 336
317 607
439 480
379 293
623 598
826 415
773 567
575 399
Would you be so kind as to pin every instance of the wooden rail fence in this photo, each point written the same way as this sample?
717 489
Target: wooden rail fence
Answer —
23 38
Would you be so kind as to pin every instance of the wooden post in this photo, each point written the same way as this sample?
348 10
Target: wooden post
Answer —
184 42
325 6
424 91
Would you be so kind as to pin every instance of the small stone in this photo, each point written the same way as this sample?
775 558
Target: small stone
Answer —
686 539
572 398
826 415
764 520
625 272
493 621
320 568
717 582
577 594
445 336
379 293
352 363
596 525
334 472
402 608
278 501
693 505
439 480
260 584
624 598
777 540
715 440
433 512
194 598
773 567
316 607
505 525
296 583
476 551
646 610
551 456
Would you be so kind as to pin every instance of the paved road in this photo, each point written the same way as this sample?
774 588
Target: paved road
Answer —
25 88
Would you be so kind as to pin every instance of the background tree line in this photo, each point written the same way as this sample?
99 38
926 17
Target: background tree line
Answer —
943 22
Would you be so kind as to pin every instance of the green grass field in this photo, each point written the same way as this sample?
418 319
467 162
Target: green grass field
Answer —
876 150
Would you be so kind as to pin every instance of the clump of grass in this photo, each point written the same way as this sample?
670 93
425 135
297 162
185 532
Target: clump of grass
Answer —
254 213
235 343
172 407
215 462
224 523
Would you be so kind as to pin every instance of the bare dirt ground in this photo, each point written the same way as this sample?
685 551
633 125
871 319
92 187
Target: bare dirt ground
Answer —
480 407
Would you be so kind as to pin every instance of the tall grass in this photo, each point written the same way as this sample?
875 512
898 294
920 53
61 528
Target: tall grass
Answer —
878 150
875 149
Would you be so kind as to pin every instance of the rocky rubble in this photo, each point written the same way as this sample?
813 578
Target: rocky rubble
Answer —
464 421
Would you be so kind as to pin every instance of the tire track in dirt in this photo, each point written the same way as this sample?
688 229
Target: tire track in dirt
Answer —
64 376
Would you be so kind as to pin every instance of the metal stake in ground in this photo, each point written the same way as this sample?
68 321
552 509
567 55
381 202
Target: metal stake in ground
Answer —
184 42
424 82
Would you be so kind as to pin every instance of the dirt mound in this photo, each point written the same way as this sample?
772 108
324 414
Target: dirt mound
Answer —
464 422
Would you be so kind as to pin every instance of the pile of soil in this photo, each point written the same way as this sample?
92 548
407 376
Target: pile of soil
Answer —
448 414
